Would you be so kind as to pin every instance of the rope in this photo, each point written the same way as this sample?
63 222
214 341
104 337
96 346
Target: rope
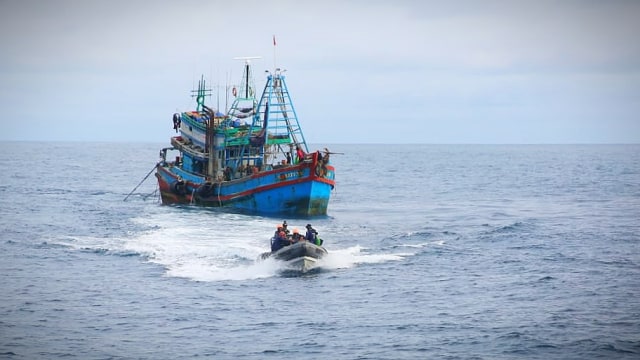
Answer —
140 183
153 193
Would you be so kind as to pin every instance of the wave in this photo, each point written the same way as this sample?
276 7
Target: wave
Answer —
193 258
514 227
96 245
213 246
599 348
112 252
351 256
418 246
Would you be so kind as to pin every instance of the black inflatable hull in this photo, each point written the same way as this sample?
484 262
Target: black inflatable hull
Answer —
301 256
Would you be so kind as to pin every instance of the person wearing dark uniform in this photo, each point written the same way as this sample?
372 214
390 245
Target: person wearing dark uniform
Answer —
279 241
312 235
284 227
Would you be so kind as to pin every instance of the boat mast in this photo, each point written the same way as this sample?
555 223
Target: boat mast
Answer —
277 106
247 78
245 102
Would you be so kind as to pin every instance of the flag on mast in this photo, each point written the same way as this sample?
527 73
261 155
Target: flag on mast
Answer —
274 40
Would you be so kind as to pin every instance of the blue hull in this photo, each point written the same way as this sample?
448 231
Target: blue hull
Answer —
291 190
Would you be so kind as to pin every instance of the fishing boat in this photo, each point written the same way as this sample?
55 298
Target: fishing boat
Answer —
300 256
253 158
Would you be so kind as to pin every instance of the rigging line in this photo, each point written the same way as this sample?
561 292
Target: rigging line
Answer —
153 193
283 107
145 178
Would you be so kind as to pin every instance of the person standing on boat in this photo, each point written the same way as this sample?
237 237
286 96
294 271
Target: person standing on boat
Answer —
312 235
325 158
176 122
284 228
300 154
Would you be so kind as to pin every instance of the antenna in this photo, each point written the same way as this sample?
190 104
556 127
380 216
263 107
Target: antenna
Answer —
201 93
247 59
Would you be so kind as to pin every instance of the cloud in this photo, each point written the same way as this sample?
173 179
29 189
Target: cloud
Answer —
359 64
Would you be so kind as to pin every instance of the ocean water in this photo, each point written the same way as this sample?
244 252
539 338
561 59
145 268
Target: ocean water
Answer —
436 251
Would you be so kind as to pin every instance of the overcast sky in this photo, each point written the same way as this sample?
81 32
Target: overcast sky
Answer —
358 71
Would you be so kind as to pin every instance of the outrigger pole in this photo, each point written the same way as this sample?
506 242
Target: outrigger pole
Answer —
140 183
